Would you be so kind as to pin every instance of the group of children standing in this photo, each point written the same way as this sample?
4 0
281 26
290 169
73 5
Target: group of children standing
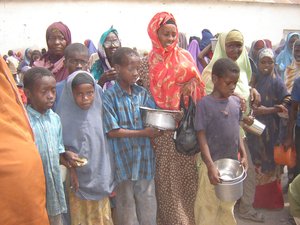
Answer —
76 136
100 138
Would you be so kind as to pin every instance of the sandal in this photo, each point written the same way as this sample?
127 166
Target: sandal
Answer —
253 215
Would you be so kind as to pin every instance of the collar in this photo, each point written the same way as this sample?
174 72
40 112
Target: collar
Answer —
121 92
35 113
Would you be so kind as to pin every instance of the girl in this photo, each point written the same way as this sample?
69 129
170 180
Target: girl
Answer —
80 109
273 92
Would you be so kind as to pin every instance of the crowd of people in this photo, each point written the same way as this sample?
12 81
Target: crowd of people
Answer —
78 106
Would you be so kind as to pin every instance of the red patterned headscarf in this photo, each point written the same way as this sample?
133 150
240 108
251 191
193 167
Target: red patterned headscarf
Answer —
172 70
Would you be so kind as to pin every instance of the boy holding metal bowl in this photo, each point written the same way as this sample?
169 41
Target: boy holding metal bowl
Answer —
217 122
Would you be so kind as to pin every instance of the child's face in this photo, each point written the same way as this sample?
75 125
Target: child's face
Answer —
128 72
266 65
77 61
84 95
297 53
43 95
233 50
226 84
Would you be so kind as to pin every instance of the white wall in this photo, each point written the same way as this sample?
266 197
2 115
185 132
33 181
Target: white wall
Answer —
23 24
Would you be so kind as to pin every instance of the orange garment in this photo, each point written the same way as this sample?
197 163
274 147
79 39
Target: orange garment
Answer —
172 70
22 182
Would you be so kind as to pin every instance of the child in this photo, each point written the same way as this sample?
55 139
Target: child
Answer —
217 122
130 142
294 115
76 58
92 180
273 95
39 87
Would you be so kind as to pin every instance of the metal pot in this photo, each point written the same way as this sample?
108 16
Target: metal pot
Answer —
229 169
229 191
256 127
158 118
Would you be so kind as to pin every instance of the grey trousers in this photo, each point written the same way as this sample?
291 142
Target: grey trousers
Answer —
136 203
249 185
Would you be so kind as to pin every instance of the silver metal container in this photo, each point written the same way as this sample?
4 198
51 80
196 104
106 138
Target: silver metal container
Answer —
229 169
256 127
158 118
228 191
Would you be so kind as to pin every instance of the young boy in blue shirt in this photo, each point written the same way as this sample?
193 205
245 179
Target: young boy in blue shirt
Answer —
217 123
39 87
130 142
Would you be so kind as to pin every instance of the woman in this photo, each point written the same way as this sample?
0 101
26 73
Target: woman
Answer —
26 60
176 177
293 70
58 37
273 95
101 63
231 45
285 57
23 191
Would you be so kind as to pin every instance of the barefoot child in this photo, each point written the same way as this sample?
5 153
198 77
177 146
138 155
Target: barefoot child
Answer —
217 122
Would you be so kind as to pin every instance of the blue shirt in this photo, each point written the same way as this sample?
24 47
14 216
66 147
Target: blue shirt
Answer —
220 118
296 97
48 139
134 157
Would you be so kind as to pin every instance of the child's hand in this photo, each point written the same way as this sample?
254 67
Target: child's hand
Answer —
244 162
248 120
72 159
74 180
152 132
213 175
281 108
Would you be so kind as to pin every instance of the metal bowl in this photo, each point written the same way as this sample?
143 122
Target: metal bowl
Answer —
230 170
159 118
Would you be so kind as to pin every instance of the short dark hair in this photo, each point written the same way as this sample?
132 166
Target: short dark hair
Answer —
120 55
75 47
224 65
33 74
10 53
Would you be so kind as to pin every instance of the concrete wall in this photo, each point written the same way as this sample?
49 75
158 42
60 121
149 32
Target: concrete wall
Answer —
23 23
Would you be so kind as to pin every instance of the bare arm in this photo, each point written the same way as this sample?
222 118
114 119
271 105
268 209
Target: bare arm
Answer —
213 173
122 133
291 124
202 54
243 154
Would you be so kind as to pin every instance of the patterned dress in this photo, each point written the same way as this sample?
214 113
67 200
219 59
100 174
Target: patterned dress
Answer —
176 176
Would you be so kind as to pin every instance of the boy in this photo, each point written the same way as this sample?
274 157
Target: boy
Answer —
39 87
76 58
130 142
217 123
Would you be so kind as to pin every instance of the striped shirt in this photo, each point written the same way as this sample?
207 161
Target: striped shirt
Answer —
48 139
134 157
